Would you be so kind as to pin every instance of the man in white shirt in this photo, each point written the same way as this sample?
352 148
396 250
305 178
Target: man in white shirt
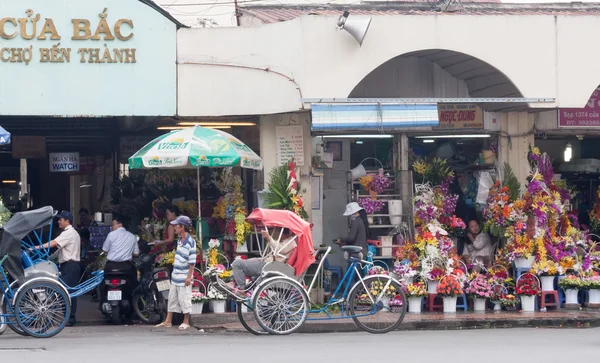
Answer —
69 246
121 247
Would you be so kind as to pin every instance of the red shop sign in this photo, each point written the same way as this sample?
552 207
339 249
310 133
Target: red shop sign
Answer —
589 116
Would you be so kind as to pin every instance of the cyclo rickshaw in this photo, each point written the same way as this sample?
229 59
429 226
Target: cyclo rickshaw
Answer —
280 300
34 301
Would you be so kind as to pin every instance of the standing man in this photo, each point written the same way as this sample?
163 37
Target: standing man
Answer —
68 243
180 294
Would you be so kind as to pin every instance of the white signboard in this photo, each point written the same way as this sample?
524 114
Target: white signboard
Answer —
88 58
129 145
290 144
64 162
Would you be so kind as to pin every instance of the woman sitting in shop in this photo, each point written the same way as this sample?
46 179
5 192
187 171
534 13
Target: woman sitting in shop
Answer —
359 228
478 248
168 243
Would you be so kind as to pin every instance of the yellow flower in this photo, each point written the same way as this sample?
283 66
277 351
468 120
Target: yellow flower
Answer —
535 150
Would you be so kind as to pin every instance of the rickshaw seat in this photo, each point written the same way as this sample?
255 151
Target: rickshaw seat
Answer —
352 249
279 267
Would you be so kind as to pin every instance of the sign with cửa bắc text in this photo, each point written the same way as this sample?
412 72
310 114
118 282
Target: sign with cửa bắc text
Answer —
64 162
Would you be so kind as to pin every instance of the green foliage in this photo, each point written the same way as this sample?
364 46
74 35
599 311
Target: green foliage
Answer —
278 195
512 183
131 198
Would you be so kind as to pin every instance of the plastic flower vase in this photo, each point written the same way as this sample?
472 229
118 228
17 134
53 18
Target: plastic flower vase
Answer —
197 308
527 303
594 296
415 304
571 297
217 306
479 304
524 262
497 306
547 283
432 286
449 304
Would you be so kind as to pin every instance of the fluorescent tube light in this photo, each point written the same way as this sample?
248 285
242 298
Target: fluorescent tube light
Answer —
370 136
453 136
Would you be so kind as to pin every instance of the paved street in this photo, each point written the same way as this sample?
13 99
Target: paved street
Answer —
144 344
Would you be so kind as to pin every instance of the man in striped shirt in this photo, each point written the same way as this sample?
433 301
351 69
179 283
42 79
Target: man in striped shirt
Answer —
180 294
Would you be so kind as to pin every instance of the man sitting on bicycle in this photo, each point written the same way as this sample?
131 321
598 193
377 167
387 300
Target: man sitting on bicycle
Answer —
279 251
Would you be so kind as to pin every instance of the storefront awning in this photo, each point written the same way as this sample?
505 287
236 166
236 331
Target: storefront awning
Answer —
4 136
361 117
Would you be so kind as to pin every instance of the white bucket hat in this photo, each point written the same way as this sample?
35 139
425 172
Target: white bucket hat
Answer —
352 208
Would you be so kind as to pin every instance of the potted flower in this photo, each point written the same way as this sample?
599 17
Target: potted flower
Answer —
377 288
547 270
509 302
416 292
396 304
377 270
198 300
370 206
479 290
593 285
449 288
528 287
499 291
216 301
433 279
571 285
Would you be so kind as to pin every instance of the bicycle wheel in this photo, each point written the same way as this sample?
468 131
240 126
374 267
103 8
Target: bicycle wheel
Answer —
280 305
375 316
42 308
248 320
10 320
2 318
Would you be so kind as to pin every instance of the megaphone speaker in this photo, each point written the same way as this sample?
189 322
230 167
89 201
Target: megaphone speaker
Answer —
357 27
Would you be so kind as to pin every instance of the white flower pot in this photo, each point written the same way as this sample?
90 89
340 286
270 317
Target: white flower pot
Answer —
527 303
497 306
524 262
244 309
197 308
395 210
370 220
415 304
432 286
217 306
571 296
449 304
479 304
242 248
594 296
547 283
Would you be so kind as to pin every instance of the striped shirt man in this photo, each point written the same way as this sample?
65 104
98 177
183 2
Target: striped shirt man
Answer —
184 257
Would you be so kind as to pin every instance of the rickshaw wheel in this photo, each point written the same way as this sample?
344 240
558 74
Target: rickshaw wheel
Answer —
2 318
42 308
246 323
280 305
13 325
384 316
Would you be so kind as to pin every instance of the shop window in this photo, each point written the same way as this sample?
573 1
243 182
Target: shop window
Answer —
123 170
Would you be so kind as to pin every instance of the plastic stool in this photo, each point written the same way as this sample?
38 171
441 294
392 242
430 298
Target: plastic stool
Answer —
431 305
464 305
520 271
561 292
555 303
335 270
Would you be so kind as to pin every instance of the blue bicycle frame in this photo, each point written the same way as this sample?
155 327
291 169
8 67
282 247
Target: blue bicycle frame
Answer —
7 294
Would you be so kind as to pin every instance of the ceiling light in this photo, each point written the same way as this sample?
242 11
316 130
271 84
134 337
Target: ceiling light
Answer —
9 182
359 142
209 124
372 136
187 127
568 152
428 141
453 136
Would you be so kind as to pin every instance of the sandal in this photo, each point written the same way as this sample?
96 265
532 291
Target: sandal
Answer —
163 325
184 327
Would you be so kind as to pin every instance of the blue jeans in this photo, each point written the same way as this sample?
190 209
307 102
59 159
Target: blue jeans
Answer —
70 272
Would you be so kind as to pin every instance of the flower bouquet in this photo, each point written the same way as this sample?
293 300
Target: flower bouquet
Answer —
509 302
370 206
380 183
449 289
571 285
417 289
528 287
365 182
377 270
377 288
479 290
396 304
198 300
216 301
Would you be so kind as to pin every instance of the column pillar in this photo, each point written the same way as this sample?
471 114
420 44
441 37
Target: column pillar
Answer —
515 148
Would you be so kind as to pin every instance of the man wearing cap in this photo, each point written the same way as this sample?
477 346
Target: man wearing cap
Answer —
69 244
180 294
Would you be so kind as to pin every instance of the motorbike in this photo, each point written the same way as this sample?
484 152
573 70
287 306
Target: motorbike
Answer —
116 296
150 296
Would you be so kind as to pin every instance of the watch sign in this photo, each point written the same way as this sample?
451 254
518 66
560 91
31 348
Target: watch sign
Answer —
64 162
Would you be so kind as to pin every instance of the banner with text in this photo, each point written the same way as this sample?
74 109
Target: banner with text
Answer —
589 116
459 116
64 162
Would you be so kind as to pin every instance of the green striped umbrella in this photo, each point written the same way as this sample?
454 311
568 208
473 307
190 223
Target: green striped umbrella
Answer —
195 147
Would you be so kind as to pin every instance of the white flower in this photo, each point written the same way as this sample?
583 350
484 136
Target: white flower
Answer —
214 243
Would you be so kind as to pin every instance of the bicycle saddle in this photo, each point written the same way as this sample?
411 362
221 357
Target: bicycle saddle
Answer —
352 249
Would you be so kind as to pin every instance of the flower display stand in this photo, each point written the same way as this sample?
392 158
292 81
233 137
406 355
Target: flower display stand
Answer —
527 303
217 306
449 304
197 308
593 299
479 304
554 302
571 301
415 304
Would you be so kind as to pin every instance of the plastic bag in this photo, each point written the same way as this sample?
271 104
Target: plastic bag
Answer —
485 182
